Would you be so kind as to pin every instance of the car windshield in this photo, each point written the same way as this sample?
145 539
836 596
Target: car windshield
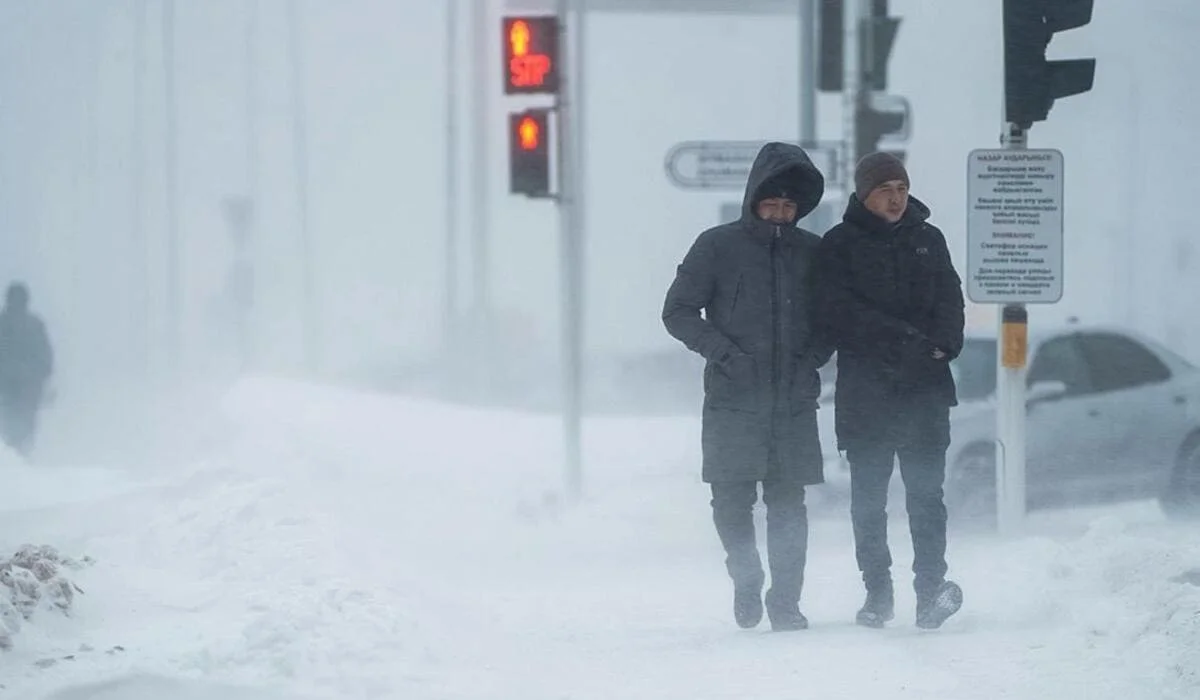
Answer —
975 369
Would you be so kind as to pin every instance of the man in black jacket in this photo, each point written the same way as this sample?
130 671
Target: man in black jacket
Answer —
893 301
752 279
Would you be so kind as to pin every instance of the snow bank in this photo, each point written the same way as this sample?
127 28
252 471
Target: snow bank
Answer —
350 544
1113 598
34 579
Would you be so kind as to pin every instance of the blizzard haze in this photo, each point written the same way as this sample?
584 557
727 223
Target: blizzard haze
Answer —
380 512
375 121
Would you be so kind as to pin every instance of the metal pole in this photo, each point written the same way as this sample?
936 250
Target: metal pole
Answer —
139 258
300 151
808 71
174 320
1010 398
450 299
246 317
251 69
570 206
851 89
480 265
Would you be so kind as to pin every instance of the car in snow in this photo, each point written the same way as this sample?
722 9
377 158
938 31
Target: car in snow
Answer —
1111 416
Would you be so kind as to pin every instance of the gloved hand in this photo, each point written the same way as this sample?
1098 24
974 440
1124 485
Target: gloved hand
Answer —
740 367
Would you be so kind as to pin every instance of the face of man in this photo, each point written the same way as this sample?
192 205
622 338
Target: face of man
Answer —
777 210
888 201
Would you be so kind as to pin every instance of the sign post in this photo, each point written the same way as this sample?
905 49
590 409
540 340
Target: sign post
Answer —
1014 258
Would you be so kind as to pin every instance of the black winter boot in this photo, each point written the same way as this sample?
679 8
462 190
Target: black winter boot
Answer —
785 614
936 607
747 605
879 608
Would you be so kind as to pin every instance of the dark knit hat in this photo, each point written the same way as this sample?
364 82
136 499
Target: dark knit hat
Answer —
874 170
780 186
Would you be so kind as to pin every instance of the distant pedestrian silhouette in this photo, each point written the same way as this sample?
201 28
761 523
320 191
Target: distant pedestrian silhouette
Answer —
26 363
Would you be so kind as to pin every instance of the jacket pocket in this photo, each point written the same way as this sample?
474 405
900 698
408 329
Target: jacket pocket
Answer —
728 391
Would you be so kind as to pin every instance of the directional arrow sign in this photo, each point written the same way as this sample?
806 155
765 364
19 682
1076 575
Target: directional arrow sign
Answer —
725 165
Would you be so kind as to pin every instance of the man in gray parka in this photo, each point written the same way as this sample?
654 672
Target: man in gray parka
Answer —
752 279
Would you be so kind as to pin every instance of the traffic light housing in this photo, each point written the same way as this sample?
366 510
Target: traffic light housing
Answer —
529 153
1031 83
530 55
874 123
878 36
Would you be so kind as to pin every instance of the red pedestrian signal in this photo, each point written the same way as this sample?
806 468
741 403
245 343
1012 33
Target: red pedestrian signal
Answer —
529 133
529 153
530 55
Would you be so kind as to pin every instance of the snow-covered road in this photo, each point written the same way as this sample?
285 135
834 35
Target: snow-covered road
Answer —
343 545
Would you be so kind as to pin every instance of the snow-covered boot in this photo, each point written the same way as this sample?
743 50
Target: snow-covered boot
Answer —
935 608
785 614
747 605
880 606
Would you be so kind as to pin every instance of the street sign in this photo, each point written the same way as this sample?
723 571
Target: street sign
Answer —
725 165
1015 226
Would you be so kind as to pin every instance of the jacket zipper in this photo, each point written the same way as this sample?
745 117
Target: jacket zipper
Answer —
776 327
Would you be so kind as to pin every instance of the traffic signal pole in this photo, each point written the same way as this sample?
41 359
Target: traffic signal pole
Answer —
1031 85
544 55
809 58
852 97
480 323
569 111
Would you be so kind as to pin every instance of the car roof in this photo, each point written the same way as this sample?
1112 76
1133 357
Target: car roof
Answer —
1040 335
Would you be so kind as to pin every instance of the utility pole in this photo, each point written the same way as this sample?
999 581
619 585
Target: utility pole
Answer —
139 278
251 71
247 253
308 306
450 340
480 316
174 320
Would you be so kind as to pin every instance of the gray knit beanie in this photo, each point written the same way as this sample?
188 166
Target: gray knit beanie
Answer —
874 170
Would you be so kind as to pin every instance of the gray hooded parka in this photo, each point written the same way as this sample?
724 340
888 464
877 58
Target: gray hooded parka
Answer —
753 281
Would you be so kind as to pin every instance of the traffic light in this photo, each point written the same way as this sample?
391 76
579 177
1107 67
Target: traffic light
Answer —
879 118
529 153
877 34
830 45
1031 83
530 55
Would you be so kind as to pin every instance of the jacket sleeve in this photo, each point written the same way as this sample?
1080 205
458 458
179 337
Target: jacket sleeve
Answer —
43 352
693 289
822 343
851 323
948 311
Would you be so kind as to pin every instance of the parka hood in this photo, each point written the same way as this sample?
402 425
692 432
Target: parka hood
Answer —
787 162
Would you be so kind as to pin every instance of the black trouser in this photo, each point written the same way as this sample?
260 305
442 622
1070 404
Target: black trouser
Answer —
787 534
919 435
18 419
